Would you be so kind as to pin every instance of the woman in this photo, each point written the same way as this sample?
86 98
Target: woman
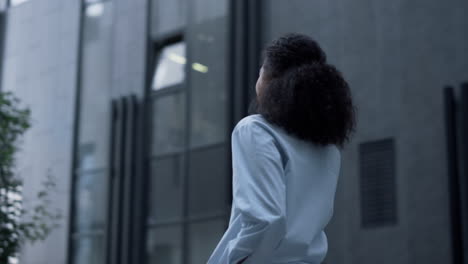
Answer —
286 158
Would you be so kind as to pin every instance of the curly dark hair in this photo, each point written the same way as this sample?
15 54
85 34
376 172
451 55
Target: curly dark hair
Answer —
304 94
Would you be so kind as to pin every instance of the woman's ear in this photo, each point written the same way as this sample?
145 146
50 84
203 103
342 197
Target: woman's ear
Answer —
261 81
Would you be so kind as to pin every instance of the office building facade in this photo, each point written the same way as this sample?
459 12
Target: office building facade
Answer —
134 102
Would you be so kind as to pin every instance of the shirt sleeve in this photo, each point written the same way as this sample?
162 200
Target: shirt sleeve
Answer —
259 195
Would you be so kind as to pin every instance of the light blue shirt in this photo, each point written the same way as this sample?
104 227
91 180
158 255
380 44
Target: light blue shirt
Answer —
283 194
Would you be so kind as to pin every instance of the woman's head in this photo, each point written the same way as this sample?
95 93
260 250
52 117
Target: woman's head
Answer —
299 91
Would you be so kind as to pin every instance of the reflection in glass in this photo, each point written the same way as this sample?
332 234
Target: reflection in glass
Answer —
164 245
170 67
94 10
168 123
87 157
204 236
94 122
90 201
95 76
207 181
166 189
167 16
207 10
88 250
208 81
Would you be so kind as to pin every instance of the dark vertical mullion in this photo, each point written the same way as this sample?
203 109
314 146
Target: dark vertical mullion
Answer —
135 179
76 134
141 201
253 50
127 180
118 185
243 27
113 190
236 77
243 64
108 235
464 162
121 181
453 174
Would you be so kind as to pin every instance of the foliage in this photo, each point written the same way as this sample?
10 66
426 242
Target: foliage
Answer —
17 224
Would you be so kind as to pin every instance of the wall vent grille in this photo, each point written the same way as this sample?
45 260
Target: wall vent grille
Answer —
377 183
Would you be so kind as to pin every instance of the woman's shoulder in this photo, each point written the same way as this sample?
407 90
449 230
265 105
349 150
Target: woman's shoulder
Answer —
259 124
261 133
255 120
256 126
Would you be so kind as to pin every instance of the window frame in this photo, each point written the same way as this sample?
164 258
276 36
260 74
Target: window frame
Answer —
76 172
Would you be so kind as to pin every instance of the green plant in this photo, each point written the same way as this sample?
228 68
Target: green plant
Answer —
17 224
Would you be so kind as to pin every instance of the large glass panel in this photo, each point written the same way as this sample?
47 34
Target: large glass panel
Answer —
90 201
208 10
88 250
164 245
87 157
208 182
204 236
167 16
170 69
168 123
166 189
207 36
95 108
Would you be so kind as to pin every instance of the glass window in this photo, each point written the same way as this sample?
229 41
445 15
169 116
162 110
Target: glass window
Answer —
86 157
204 236
91 177
95 106
168 123
208 182
206 10
167 16
170 68
206 195
89 250
166 189
91 201
164 245
208 75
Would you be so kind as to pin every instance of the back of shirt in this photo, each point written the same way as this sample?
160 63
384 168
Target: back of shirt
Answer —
283 195
311 176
